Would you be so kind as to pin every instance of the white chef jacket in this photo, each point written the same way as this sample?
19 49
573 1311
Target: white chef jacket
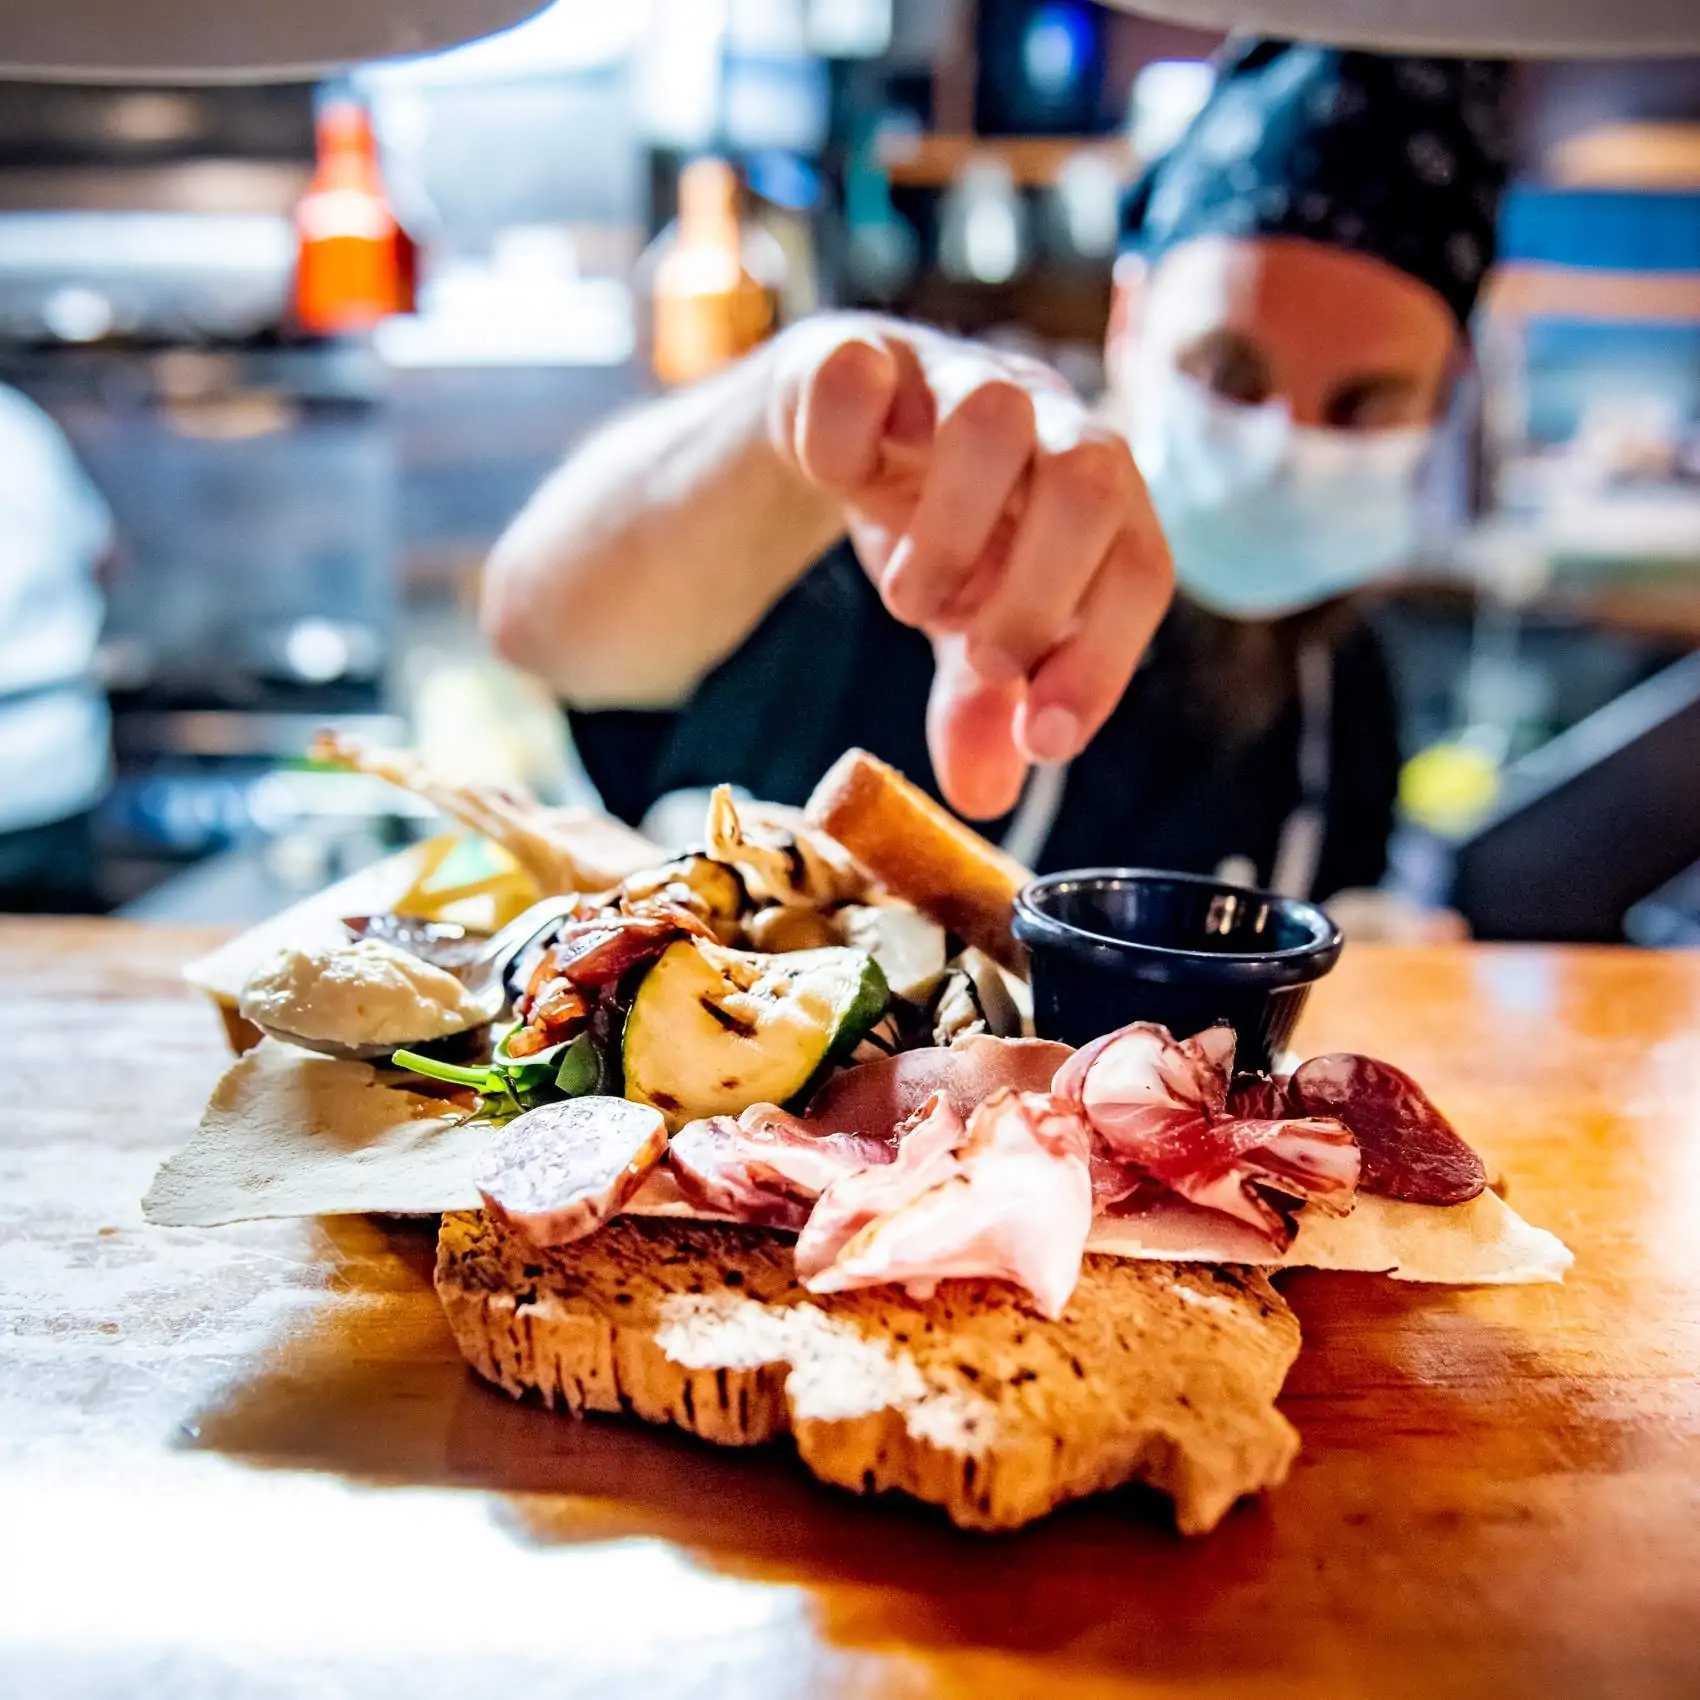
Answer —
55 738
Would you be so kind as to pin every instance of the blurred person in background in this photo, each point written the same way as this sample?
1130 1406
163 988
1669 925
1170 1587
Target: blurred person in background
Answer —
54 725
871 533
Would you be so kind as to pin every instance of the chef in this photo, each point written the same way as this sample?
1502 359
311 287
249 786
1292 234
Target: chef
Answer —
55 532
870 533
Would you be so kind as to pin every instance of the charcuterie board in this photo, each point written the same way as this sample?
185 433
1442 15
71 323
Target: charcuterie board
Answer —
258 1446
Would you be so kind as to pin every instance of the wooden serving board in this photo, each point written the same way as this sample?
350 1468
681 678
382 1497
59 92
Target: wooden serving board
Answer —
249 1460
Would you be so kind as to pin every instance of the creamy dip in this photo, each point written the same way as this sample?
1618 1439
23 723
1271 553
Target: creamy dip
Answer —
362 993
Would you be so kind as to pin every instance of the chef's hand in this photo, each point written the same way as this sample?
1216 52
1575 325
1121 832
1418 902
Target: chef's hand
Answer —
995 513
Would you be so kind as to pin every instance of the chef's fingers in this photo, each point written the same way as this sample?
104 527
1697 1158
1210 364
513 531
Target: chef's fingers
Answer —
980 452
1073 690
1078 502
957 614
833 402
971 736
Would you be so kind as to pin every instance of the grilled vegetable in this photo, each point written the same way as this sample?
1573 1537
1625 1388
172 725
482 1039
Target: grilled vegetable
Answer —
713 1031
909 947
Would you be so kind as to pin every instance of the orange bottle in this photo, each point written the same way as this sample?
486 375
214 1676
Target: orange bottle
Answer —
708 307
354 261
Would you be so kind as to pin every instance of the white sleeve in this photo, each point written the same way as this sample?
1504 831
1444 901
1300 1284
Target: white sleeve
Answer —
54 529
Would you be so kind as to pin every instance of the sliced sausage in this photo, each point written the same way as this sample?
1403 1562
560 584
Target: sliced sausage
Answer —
560 1171
1410 1150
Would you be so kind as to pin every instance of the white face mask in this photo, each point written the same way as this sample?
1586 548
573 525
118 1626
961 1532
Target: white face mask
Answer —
1265 517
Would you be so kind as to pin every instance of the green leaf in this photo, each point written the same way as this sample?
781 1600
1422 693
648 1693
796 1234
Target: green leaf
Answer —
479 1079
580 1070
508 1086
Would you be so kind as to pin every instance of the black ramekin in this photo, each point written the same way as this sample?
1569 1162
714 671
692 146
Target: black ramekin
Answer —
1114 945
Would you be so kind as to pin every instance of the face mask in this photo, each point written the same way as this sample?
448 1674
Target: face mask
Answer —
1265 517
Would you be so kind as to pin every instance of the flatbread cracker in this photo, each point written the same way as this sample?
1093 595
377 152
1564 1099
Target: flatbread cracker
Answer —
1480 1243
288 1133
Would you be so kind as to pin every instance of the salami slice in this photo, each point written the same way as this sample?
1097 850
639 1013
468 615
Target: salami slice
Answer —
1410 1150
560 1171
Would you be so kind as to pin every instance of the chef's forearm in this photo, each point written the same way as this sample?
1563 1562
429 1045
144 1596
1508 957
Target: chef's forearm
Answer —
657 547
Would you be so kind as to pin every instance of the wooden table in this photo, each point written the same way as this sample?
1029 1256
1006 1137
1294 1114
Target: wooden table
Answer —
249 1460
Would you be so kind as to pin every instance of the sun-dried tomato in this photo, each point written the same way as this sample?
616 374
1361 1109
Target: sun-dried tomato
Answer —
560 1003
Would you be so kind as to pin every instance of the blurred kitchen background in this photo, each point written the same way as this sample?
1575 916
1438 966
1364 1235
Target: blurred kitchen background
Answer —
315 344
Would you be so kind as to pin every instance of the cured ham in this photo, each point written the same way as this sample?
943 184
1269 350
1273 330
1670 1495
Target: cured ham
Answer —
877 1097
1146 1095
1410 1150
560 1171
924 1156
766 1166
1006 1196
1159 1112
1264 1169
1260 1097
990 1158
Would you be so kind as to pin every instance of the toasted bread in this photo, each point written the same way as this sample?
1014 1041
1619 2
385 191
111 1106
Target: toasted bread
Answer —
921 852
1155 1373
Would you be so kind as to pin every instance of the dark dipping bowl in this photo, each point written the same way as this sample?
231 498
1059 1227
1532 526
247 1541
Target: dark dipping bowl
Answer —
1113 945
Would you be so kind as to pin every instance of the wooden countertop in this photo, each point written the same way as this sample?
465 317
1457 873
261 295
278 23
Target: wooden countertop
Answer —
249 1460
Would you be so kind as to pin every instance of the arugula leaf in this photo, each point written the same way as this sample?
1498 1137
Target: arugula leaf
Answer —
580 1070
480 1078
507 1087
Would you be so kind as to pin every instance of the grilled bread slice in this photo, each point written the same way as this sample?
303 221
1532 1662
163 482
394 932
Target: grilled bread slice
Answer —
1159 1373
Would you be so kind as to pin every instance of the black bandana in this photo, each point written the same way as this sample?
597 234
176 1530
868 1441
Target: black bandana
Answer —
1400 157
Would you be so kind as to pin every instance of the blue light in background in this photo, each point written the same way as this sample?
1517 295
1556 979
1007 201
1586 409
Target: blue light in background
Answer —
784 179
1056 50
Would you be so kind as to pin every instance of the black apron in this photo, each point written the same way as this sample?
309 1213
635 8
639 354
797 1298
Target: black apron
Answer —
1158 787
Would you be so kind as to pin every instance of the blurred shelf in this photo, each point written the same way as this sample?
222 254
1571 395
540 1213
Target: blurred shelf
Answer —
1524 290
934 160
1659 608
1629 156
1598 254
1669 610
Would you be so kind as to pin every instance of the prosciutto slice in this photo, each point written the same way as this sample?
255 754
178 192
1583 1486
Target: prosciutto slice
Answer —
990 1158
1006 1195
1260 1097
924 1156
766 1166
878 1097
1147 1096
1264 1168
1159 1111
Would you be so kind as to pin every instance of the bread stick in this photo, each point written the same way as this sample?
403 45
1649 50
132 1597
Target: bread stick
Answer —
921 852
